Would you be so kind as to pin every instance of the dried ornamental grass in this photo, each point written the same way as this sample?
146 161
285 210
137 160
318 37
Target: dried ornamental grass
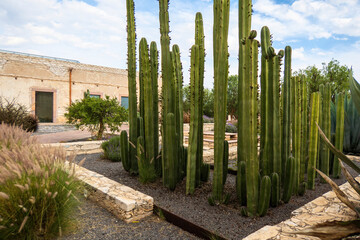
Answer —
36 187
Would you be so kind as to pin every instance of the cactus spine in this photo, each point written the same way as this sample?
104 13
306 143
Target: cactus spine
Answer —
339 134
194 121
154 79
314 136
131 38
297 131
276 141
285 147
169 167
326 128
221 66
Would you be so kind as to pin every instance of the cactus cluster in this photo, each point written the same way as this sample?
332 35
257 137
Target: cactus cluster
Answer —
288 143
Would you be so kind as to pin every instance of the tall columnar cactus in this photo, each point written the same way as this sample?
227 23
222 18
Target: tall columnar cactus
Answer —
221 67
154 79
268 94
276 141
339 134
244 32
149 130
170 170
200 41
296 144
249 154
170 176
314 137
131 38
304 128
194 121
326 127
286 130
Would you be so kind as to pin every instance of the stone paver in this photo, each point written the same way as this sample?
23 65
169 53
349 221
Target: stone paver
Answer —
325 208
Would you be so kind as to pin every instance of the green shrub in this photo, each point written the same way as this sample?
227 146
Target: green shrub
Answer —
17 114
36 187
112 149
230 128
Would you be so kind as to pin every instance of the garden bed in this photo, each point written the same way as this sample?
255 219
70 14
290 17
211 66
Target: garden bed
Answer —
224 220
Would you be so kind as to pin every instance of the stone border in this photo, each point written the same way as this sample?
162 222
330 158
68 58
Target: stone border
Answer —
124 202
84 147
324 208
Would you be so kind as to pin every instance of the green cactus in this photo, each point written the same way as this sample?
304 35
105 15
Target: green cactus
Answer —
304 129
289 179
194 121
339 134
226 160
326 127
251 154
241 183
154 79
265 43
146 171
265 193
221 67
276 141
205 172
200 41
314 137
285 146
169 168
124 145
275 189
244 32
131 38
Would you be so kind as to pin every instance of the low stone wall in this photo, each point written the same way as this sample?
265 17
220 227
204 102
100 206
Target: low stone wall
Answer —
124 202
325 208
206 128
85 147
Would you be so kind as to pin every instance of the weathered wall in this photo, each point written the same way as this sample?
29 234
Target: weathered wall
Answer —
21 76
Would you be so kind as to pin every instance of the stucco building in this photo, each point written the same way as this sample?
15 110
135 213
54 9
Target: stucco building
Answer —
48 85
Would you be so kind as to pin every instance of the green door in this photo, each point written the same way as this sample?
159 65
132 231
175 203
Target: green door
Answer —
44 106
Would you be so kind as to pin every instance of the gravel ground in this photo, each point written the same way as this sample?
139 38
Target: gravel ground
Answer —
94 222
224 220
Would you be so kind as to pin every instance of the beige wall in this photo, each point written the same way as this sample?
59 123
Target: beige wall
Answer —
21 76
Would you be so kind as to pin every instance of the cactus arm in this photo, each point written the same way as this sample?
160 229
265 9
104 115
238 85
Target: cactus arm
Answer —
124 145
265 193
289 179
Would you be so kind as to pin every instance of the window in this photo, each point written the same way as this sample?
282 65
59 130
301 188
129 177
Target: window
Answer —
125 102
95 96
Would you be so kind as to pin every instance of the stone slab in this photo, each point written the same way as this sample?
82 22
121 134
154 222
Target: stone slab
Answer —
124 202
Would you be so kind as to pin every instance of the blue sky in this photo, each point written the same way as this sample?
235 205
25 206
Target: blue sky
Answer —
94 31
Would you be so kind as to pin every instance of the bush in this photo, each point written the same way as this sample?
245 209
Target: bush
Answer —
17 114
208 119
186 117
36 189
112 149
97 114
230 128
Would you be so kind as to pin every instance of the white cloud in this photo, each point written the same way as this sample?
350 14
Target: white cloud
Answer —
97 34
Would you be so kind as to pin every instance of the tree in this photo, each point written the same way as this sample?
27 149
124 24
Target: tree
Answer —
334 73
96 114
232 95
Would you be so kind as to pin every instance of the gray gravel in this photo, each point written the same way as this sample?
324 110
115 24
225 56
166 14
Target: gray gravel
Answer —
224 220
94 222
